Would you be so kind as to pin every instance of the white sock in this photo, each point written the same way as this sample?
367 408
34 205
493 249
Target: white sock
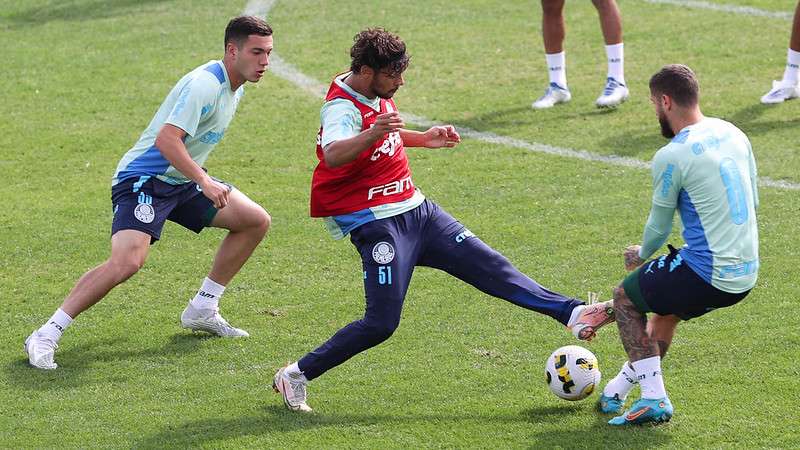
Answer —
616 62
208 295
293 370
56 326
790 75
622 384
557 68
573 316
648 372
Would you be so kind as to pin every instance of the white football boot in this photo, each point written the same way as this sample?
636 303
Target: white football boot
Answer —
553 95
210 321
780 92
293 390
40 350
613 94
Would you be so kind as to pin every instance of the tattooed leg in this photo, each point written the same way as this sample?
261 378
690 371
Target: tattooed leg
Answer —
633 328
661 329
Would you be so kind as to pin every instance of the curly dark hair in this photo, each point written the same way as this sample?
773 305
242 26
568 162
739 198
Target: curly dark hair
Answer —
239 28
379 49
677 81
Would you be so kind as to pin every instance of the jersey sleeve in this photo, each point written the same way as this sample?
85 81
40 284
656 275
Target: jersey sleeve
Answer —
340 120
666 179
657 230
195 100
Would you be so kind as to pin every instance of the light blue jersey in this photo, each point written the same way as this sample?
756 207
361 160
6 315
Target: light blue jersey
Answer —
708 173
201 104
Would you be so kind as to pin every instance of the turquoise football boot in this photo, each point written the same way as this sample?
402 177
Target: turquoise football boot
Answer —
610 405
645 410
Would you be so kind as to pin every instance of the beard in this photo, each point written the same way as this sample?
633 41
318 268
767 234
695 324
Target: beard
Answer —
666 129
386 95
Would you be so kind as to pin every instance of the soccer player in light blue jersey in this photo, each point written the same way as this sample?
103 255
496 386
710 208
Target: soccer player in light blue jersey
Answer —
708 174
162 178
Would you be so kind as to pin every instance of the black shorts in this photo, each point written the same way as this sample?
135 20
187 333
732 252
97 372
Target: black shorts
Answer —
667 285
145 203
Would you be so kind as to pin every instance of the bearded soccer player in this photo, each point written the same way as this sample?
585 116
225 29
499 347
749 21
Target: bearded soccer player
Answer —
362 186
708 174
161 178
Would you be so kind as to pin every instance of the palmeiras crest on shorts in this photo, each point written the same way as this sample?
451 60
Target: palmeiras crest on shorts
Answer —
144 212
383 252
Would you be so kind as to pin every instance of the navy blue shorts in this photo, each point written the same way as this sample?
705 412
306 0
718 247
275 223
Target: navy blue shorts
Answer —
667 285
146 203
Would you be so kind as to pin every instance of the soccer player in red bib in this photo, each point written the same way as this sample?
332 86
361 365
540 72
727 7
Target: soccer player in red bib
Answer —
362 186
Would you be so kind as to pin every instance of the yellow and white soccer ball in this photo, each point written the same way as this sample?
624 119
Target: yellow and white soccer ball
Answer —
572 372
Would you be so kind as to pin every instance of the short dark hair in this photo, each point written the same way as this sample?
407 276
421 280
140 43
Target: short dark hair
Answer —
239 28
379 49
677 81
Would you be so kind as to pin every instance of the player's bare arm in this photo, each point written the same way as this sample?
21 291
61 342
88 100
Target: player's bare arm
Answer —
343 151
434 137
170 143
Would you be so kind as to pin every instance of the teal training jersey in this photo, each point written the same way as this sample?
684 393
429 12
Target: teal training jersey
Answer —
201 104
708 173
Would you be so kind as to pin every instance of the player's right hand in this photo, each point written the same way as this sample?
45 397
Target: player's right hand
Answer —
631 256
216 192
387 123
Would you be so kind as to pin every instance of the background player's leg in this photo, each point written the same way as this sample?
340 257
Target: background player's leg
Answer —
789 86
794 40
553 28
553 32
791 74
610 20
615 91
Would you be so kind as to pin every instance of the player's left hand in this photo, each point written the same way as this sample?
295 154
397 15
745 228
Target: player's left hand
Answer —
632 259
442 136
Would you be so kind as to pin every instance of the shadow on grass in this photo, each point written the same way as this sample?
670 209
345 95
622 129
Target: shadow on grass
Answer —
277 420
747 119
646 436
73 10
627 144
75 362
518 115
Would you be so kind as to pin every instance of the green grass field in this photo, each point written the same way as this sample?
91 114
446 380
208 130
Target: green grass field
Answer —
82 79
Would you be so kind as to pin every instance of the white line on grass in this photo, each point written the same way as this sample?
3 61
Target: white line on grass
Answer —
735 9
288 72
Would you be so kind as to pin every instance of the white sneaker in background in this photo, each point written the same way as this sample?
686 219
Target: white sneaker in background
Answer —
553 95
